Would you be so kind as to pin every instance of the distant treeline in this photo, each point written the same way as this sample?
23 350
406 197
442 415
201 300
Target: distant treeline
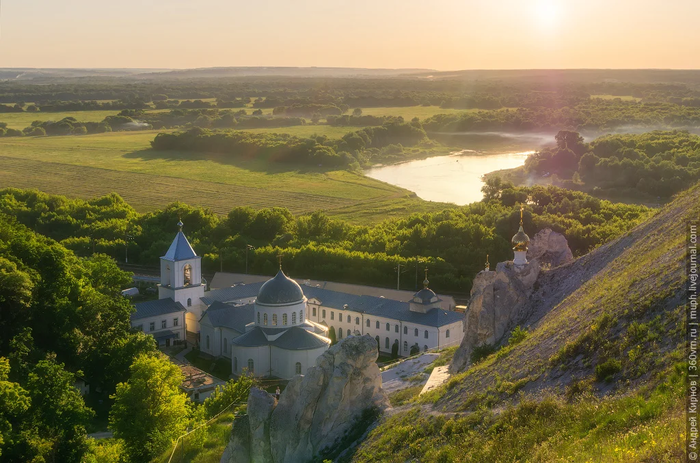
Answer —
452 243
72 126
355 148
652 164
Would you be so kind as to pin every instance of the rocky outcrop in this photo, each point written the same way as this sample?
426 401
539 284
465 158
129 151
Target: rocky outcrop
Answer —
500 299
315 411
549 248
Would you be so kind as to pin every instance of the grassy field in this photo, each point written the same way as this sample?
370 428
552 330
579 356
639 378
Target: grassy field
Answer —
612 97
92 165
25 119
307 130
409 112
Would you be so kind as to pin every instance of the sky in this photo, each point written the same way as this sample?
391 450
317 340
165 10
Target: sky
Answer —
434 34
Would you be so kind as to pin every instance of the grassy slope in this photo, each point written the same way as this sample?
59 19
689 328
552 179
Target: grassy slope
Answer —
90 165
598 378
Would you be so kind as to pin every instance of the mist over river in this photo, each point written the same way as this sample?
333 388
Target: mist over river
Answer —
456 178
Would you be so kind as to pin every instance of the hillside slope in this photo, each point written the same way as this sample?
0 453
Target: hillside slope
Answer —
597 378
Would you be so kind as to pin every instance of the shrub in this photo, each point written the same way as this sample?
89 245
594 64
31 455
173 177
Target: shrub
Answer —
606 370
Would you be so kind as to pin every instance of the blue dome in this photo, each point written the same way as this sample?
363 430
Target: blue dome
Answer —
280 290
425 296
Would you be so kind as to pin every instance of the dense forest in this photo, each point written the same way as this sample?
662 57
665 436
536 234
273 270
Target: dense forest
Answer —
453 243
654 164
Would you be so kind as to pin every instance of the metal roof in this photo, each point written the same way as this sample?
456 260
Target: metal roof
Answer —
180 249
280 290
293 338
235 318
156 307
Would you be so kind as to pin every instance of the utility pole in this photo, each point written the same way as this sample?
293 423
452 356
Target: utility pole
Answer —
126 248
247 247
398 276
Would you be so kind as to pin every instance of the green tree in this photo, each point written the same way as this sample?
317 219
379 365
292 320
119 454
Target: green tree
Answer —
357 112
149 410
331 335
395 350
14 403
234 391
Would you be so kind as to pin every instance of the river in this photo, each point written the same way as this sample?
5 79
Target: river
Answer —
456 178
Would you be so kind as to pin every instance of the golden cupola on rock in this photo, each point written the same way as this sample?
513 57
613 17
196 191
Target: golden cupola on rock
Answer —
520 240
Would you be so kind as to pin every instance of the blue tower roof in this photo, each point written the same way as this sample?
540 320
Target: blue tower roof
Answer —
180 249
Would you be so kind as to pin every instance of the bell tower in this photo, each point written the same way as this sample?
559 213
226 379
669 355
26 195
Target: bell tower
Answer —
520 241
181 278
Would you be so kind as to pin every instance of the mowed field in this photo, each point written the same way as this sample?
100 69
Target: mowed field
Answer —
25 119
92 165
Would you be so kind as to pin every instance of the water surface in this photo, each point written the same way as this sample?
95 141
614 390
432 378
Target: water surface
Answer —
456 178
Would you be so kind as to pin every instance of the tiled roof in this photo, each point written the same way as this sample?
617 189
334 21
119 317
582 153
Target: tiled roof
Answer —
180 249
157 307
224 315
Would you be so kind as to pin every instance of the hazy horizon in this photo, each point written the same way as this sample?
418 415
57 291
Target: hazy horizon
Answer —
447 35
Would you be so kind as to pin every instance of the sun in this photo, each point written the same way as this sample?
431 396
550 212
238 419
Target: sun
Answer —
547 12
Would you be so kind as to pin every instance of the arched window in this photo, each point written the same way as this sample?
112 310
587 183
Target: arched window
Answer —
386 343
340 333
297 368
225 346
235 364
405 330
323 313
207 341
396 328
357 320
426 334
258 318
187 274
377 324
265 319
189 302
425 348
294 318
415 332
368 323
284 319
405 346
388 327
447 333
349 319
251 366
274 319
301 316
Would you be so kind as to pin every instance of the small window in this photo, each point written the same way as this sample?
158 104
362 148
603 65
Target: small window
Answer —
301 316
189 302
425 335
177 335
274 319
294 318
349 319
164 324
225 346
297 368
388 327
207 341
377 324
265 319
284 319
405 346
340 333
332 315
386 343
235 364
313 311
139 328
415 332
357 320
405 330
323 313
447 333
176 321
152 326
251 366
258 318
396 328
368 323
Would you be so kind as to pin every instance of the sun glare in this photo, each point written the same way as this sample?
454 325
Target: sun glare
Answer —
547 13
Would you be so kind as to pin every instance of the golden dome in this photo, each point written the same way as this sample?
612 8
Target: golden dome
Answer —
520 240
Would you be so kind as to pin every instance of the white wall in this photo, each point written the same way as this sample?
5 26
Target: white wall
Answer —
158 320
260 356
182 295
284 361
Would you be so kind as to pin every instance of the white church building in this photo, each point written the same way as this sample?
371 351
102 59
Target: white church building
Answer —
277 328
